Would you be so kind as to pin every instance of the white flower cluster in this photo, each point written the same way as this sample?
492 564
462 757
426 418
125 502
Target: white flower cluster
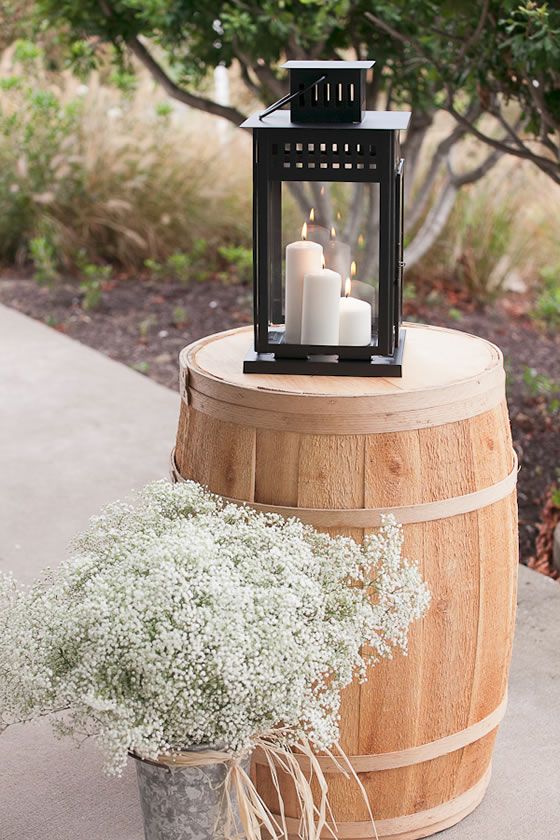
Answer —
182 620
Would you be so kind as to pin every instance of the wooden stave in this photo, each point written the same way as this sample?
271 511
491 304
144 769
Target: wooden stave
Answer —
464 767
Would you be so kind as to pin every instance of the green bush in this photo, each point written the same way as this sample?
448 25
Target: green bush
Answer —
547 307
184 267
109 185
93 277
43 254
240 259
38 171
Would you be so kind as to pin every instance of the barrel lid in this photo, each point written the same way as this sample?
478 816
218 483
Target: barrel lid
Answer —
434 357
447 375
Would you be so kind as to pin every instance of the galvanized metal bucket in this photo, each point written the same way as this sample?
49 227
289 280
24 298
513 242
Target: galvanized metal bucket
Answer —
185 803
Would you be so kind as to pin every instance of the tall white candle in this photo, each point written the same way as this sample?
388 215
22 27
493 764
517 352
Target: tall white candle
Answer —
316 232
301 257
355 320
320 312
338 256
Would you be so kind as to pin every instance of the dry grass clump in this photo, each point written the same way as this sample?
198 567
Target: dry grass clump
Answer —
501 234
115 178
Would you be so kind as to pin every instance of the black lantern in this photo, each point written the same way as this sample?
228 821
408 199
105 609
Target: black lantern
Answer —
327 269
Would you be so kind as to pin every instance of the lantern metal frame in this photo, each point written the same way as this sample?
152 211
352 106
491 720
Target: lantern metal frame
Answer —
360 152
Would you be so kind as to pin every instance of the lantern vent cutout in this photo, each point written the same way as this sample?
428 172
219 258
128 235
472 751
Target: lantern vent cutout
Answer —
327 272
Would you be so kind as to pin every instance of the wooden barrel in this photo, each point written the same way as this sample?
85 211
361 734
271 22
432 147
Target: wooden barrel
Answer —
435 448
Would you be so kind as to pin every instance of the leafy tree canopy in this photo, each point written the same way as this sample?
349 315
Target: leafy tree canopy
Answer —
466 57
494 65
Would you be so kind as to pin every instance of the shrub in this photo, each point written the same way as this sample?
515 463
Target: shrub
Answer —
240 259
500 235
93 173
547 307
43 254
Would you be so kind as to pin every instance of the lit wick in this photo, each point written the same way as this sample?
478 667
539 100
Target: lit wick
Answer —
333 233
347 287
304 231
312 215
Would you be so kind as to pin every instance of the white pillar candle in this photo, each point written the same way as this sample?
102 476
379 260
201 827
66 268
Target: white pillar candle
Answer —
338 257
320 313
355 320
315 231
318 233
364 291
301 257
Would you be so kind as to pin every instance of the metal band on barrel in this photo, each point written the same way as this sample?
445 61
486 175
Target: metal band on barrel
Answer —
371 517
328 422
413 755
403 828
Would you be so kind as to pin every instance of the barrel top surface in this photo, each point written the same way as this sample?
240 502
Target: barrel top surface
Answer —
434 358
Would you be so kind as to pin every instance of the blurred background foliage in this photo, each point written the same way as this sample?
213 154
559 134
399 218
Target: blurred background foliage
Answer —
114 150
125 182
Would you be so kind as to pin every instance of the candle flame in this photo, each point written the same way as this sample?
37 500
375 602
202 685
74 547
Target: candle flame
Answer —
304 231
333 233
323 260
353 269
361 240
347 287
312 215
338 215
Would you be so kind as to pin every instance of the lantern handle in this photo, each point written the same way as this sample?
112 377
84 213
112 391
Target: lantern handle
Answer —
289 97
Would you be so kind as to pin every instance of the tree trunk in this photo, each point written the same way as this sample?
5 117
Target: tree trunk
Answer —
433 225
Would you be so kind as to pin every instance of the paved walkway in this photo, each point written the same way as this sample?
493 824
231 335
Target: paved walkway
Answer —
78 430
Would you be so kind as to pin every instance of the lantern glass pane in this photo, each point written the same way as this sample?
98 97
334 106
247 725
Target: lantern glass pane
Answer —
343 219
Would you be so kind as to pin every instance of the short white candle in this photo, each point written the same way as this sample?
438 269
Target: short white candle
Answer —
301 257
320 313
355 320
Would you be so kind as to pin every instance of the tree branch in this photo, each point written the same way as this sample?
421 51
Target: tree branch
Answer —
476 34
407 40
172 89
356 215
521 150
322 201
434 224
548 166
439 213
538 100
297 189
511 131
478 172
442 151
268 81
251 86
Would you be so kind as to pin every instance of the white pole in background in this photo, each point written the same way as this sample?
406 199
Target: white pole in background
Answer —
222 97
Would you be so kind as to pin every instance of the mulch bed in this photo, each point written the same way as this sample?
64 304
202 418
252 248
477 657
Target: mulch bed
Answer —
145 324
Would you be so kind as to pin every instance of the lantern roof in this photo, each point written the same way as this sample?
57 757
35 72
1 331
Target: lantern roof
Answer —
373 120
328 65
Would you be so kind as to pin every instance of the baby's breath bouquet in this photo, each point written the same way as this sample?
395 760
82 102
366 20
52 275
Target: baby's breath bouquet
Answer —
183 621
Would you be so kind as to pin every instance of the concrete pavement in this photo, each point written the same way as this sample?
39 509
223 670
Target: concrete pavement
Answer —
78 430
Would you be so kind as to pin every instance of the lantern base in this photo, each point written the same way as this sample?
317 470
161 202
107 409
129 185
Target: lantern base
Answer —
328 365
